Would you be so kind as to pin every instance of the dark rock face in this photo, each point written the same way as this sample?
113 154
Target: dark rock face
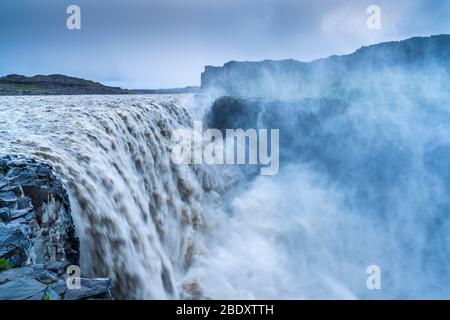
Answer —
91 288
421 58
18 284
36 281
37 236
52 85
14 244
233 112
33 198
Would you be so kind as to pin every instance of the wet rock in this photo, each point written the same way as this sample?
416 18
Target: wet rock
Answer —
13 188
16 273
37 235
3 183
24 203
13 172
7 196
20 284
7 199
60 287
36 194
14 244
30 216
58 267
43 172
22 289
21 221
91 288
20 163
26 283
45 276
15 214
5 215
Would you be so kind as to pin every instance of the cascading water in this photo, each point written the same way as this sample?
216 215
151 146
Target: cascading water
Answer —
362 182
139 217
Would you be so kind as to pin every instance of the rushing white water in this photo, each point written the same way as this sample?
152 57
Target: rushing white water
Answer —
138 216
359 187
362 183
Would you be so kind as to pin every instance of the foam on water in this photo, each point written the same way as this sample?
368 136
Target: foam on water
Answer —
365 184
138 216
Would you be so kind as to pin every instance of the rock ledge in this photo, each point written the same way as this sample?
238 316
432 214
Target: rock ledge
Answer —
37 236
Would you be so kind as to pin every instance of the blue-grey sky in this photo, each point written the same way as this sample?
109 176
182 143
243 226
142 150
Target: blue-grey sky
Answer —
167 43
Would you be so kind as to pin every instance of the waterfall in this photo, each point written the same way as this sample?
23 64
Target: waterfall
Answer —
361 182
139 217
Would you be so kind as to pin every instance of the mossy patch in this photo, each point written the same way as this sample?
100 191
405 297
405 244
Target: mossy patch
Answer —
4 265
46 296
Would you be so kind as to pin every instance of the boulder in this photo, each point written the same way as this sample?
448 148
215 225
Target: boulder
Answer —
90 289
22 289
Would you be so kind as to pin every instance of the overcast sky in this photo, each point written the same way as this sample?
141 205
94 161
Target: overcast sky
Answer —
167 43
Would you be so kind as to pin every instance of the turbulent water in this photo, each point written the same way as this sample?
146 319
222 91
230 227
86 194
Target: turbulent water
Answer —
138 216
363 184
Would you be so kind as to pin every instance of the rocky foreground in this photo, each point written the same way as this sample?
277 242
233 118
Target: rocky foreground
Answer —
37 236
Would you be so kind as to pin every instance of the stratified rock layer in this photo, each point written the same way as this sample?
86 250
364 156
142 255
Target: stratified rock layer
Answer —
37 236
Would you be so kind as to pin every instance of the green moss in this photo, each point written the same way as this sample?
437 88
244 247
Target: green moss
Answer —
46 296
4 265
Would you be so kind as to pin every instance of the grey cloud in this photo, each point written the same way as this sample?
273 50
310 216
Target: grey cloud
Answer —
165 43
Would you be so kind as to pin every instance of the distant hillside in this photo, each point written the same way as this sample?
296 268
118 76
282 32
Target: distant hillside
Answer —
190 89
413 63
55 84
